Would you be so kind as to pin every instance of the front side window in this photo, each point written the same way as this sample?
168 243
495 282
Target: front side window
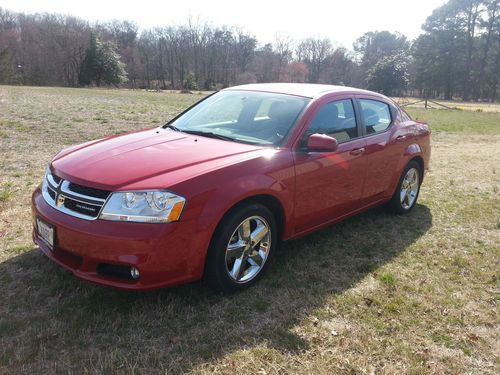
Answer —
337 120
376 115
243 116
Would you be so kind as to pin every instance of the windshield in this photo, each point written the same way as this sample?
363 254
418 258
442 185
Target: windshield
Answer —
243 116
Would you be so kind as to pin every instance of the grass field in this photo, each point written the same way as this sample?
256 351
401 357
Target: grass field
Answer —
459 105
374 294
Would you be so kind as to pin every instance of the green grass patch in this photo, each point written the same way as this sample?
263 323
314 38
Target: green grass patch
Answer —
388 279
5 195
462 122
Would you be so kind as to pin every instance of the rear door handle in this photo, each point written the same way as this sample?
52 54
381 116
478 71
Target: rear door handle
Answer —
358 151
401 138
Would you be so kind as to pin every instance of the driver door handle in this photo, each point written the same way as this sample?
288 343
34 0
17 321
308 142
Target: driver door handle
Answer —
358 151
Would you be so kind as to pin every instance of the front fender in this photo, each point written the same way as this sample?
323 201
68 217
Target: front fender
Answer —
211 206
240 189
212 194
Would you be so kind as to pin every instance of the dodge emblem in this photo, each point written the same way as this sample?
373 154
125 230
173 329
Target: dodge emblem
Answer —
60 200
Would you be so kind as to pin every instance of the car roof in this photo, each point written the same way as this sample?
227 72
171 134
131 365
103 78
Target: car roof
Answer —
309 90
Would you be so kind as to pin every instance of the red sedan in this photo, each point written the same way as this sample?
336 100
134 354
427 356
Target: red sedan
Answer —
213 192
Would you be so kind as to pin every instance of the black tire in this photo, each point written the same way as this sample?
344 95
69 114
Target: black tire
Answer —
217 273
395 205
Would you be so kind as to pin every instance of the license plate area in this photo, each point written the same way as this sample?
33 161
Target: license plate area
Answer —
45 232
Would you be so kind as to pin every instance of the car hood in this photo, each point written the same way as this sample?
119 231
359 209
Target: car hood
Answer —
119 161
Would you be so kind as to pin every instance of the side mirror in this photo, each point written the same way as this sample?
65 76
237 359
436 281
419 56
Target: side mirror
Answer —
321 142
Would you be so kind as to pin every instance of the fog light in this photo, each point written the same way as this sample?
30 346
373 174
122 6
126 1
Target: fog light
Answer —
134 272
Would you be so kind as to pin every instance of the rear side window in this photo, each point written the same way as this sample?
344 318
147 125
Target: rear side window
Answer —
337 120
376 115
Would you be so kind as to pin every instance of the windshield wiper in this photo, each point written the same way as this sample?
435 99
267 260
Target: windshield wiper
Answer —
167 126
209 135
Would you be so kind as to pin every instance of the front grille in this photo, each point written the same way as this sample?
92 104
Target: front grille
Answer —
82 207
73 199
56 179
84 190
52 193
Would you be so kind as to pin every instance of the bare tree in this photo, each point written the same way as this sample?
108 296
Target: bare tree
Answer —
458 54
315 54
283 46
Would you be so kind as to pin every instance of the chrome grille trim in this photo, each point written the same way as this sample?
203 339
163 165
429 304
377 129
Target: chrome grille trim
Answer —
65 189
51 180
62 193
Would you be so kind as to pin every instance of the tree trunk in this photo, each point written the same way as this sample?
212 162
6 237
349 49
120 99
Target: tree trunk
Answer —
494 85
472 13
482 65
147 73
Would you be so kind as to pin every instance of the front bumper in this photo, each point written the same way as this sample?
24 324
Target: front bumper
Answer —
166 254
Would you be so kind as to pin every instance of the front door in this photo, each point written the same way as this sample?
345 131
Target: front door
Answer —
329 184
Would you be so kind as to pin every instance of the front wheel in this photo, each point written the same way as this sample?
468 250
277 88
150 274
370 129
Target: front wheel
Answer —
406 194
241 248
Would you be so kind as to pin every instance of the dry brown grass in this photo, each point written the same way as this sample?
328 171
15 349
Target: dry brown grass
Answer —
374 294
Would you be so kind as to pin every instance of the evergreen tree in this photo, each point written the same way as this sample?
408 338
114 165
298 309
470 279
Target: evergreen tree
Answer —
390 73
102 64
384 59
7 71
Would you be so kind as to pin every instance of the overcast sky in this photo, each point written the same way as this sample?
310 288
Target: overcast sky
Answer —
341 21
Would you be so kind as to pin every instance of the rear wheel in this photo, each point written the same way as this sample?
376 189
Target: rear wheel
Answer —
406 194
241 248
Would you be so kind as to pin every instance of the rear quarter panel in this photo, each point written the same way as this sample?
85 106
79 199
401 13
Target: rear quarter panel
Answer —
418 145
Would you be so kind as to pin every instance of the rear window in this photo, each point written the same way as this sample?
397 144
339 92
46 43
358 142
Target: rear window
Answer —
376 115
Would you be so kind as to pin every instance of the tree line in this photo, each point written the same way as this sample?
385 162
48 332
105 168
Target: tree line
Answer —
457 55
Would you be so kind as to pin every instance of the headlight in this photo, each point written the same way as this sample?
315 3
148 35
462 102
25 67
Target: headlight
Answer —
143 206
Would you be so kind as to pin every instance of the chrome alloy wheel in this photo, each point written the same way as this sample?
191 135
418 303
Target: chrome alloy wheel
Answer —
248 249
409 188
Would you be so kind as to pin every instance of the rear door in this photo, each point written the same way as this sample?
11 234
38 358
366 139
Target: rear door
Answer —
384 146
